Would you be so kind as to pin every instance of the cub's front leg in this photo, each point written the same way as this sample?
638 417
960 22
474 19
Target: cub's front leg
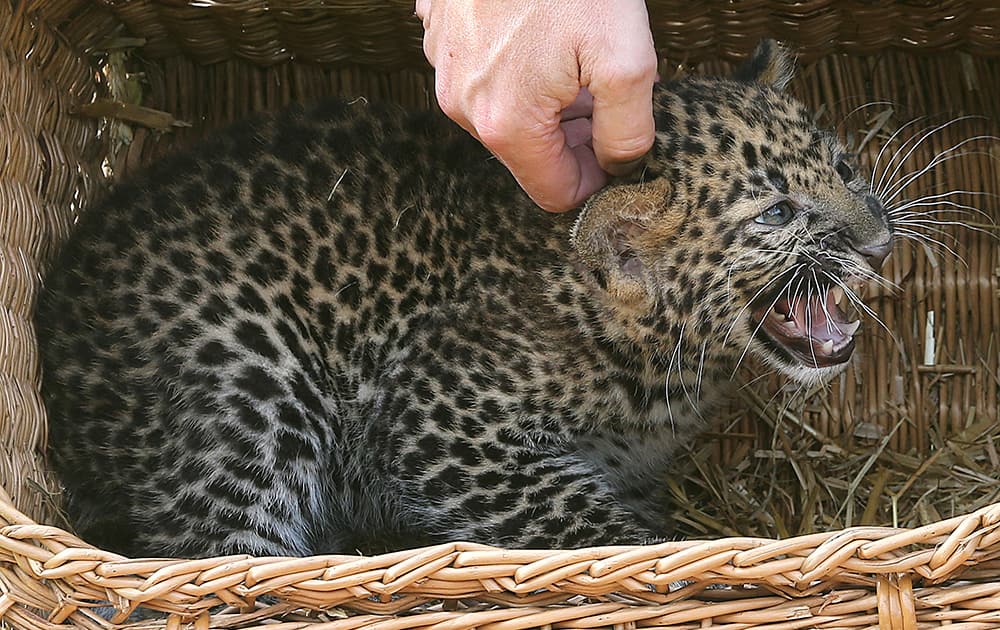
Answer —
507 491
480 459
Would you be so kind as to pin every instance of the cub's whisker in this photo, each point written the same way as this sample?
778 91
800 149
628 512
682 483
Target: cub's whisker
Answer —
925 239
962 209
756 379
888 143
921 138
853 268
929 223
732 266
939 158
945 195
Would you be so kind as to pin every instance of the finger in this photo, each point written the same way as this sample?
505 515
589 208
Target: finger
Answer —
581 107
623 111
544 166
592 176
554 183
556 176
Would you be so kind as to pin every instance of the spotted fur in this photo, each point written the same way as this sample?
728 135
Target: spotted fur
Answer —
346 327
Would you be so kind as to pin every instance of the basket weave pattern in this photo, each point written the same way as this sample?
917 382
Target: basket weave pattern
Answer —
808 581
50 168
358 33
944 573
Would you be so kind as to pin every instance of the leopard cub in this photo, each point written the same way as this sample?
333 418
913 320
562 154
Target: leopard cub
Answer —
346 327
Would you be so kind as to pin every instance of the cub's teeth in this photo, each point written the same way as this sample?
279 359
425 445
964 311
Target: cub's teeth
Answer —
827 346
838 294
852 328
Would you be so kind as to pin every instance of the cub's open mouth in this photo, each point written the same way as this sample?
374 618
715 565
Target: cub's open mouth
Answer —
812 330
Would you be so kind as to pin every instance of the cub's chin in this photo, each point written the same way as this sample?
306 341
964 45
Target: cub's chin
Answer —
807 337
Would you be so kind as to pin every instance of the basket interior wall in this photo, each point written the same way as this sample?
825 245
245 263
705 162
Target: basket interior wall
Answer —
384 34
886 393
49 169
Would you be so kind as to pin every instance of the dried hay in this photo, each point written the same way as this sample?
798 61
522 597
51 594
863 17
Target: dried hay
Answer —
805 482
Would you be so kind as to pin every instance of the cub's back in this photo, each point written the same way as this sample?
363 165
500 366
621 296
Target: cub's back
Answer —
288 254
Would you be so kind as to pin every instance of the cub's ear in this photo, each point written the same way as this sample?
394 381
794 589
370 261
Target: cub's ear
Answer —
771 64
616 232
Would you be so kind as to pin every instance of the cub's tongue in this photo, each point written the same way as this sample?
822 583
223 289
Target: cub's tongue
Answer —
813 329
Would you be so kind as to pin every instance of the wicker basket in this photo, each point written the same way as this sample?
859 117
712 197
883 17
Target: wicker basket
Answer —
206 63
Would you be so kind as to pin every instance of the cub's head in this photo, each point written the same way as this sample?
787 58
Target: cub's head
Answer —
749 232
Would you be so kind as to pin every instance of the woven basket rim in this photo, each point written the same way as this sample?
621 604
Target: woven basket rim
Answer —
801 568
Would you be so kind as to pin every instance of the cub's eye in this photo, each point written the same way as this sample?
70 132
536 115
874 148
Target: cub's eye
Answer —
778 214
845 171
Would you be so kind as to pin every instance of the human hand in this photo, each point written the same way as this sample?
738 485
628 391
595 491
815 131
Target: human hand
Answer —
560 91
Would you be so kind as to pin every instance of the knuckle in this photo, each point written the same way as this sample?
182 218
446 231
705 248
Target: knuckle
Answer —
446 101
496 130
629 74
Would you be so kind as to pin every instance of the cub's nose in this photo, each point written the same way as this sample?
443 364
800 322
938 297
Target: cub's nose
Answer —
875 207
875 254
